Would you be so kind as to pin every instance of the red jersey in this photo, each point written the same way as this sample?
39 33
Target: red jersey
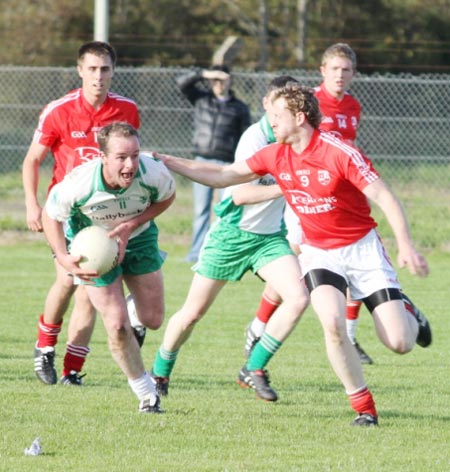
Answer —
323 185
69 126
339 116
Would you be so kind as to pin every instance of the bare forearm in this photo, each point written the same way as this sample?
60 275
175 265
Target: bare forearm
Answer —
154 210
396 217
202 172
407 254
55 235
207 173
251 194
124 230
30 180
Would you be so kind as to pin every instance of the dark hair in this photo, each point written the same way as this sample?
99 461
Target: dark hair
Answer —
300 98
221 67
98 48
279 82
118 128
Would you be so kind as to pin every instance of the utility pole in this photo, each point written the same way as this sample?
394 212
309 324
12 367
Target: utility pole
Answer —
101 20
262 33
301 28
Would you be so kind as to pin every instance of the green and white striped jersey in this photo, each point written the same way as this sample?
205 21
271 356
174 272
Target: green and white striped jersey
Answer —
82 199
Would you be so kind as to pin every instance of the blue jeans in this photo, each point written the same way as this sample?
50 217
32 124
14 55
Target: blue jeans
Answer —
203 199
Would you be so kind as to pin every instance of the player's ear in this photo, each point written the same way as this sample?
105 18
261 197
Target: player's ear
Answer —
300 118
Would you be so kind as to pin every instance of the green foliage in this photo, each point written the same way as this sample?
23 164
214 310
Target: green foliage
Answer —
387 35
210 423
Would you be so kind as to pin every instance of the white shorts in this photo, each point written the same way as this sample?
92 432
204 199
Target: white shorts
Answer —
294 230
364 265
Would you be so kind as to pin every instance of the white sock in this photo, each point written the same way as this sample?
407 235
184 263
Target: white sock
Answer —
258 327
351 329
143 387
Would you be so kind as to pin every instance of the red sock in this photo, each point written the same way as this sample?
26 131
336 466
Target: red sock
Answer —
409 307
74 358
353 308
266 309
47 333
362 402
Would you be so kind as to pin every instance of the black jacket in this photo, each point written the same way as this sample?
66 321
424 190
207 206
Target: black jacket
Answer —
218 125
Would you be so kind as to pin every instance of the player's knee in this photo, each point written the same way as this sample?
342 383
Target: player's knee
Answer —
402 346
334 329
190 318
297 301
155 321
65 283
117 335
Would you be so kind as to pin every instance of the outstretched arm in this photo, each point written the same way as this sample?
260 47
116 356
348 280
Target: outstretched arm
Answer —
391 207
249 194
208 173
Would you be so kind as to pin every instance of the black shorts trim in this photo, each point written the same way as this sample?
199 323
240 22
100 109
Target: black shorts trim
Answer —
381 296
317 277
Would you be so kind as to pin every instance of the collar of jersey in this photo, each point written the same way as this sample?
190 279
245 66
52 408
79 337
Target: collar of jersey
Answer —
267 129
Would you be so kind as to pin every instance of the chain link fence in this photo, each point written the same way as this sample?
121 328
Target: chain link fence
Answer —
404 128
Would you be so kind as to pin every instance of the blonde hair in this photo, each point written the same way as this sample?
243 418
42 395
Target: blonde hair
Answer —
339 50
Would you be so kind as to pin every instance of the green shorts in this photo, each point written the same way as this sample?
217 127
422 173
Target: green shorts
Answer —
142 256
229 252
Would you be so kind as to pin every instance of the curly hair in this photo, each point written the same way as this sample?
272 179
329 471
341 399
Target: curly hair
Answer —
300 98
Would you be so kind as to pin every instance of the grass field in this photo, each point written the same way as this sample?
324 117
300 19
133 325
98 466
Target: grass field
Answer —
210 423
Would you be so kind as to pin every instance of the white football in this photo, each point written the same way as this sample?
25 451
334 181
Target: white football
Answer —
98 251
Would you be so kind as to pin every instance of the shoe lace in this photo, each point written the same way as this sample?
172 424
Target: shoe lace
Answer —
47 359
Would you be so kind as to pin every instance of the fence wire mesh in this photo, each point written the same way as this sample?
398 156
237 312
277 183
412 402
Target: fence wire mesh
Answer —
404 126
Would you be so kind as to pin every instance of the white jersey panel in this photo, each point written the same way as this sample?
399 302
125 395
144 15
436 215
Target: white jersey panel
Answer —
265 217
82 195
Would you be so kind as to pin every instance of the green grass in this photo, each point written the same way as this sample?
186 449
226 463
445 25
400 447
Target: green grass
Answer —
210 423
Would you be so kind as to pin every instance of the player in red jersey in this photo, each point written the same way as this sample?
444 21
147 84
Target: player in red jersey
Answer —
341 113
327 183
68 129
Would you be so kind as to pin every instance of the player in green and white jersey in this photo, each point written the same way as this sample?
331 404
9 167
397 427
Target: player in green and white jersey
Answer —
249 234
110 192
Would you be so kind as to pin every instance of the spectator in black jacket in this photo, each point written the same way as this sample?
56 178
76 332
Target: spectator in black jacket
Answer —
219 120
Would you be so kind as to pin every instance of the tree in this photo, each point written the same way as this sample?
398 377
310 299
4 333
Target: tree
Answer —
387 35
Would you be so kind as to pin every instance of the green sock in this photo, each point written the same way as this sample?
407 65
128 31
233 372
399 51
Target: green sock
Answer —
263 352
164 362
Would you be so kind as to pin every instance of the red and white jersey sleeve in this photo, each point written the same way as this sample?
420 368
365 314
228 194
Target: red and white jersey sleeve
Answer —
323 186
341 117
69 127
